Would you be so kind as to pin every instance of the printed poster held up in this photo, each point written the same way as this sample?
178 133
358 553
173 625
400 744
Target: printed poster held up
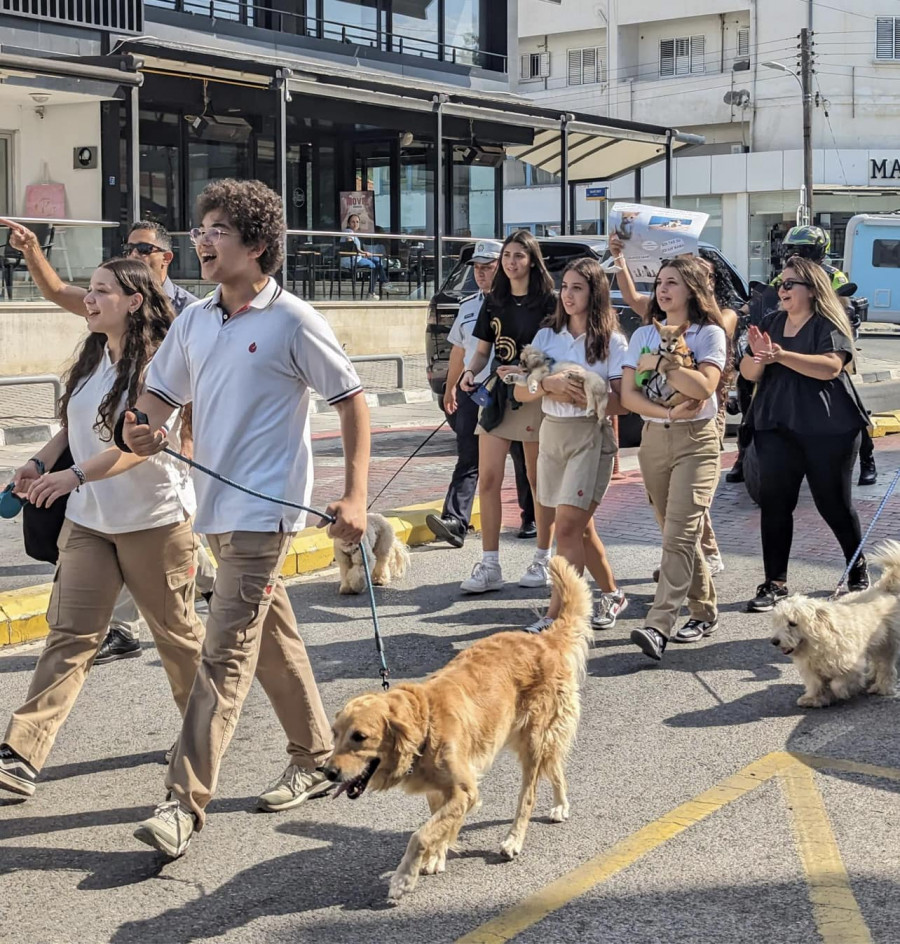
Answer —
651 234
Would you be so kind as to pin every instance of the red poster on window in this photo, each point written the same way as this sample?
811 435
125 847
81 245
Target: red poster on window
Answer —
45 201
362 203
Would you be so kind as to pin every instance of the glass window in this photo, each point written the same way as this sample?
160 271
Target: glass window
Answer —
886 253
160 182
351 21
415 27
473 201
462 30
5 175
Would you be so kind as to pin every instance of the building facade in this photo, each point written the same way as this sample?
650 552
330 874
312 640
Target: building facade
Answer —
716 67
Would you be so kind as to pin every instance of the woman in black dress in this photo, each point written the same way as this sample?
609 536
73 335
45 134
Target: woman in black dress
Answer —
806 418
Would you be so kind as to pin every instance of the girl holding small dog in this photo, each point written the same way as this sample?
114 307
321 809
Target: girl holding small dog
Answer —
679 454
806 419
521 297
577 450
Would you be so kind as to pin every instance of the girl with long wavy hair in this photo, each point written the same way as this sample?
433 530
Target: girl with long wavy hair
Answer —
679 453
521 297
133 529
576 452
807 420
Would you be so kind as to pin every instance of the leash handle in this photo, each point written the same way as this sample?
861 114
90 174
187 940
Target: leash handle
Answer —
865 537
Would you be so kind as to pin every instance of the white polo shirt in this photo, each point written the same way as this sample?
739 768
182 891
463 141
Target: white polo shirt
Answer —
155 493
706 343
249 377
563 346
461 332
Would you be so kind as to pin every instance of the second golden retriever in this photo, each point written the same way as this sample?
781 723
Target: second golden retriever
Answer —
513 689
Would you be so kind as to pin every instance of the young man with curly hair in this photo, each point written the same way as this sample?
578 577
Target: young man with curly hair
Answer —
248 357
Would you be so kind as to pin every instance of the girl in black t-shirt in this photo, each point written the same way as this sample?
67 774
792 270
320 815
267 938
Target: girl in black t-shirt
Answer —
806 419
521 298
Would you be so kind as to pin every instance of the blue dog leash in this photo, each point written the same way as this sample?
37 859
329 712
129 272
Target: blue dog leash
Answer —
142 419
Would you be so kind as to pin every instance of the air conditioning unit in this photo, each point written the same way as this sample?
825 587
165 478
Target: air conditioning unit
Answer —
484 156
741 65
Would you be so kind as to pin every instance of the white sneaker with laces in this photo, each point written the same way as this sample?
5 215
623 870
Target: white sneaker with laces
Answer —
537 574
294 786
484 577
169 829
608 608
715 564
539 625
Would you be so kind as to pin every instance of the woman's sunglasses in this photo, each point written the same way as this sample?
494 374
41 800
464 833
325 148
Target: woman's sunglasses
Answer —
143 249
788 284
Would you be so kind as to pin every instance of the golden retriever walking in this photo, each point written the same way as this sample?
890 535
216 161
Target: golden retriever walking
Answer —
513 689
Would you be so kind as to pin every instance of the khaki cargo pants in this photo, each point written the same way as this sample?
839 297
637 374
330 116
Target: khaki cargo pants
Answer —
158 566
680 468
251 630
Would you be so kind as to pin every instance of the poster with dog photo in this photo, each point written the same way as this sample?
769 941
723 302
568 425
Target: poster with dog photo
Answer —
650 234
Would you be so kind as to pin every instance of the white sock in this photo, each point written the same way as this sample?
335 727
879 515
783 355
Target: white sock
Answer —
542 555
491 558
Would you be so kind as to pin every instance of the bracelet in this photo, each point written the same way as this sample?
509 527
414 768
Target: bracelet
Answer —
38 464
79 474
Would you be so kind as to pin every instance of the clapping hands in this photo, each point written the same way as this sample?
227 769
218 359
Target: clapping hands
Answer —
764 350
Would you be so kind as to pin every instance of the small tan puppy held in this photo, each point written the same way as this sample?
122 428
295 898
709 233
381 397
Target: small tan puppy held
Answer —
514 689
536 366
388 557
848 646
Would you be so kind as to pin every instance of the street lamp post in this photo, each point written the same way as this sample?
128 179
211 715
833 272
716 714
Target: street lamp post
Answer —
803 80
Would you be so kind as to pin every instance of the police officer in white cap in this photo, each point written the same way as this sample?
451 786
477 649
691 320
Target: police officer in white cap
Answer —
462 413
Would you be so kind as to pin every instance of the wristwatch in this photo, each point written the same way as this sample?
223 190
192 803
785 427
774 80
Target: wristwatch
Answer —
38 464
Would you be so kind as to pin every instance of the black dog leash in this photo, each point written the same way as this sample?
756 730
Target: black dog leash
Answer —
143 420
409 458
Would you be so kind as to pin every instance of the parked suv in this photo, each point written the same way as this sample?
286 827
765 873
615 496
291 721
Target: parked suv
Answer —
558 252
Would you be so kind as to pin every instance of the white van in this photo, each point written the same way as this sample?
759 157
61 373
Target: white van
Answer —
872 261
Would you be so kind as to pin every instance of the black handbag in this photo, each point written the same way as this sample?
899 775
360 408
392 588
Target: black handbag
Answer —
41 526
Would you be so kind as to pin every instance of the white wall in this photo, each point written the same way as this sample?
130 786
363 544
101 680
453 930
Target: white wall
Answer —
539 17
50 141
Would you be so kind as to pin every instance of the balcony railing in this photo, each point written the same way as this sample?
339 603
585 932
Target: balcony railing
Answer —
123 16
299 24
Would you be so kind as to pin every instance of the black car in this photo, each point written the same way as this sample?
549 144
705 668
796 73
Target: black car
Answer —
558 252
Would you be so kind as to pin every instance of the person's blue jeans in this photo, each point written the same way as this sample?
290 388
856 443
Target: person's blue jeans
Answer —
376 270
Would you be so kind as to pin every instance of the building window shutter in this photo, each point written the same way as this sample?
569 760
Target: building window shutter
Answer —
544 65
884 37
534 65
601 66
743 42
574 64
589 66
667 57
525 66
682 56
698 54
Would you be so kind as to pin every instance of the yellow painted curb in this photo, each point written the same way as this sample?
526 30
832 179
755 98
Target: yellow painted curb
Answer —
23 612
885 423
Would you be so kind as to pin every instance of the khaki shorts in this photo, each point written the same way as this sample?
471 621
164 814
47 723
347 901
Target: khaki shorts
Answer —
575 461
520 425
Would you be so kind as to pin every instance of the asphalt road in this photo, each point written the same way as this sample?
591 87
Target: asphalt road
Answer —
651 738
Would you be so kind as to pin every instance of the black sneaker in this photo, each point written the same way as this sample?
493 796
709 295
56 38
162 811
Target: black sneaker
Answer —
16 774
767 595
868 474
528 530
650 641
858 578
447 528
117 646
694 630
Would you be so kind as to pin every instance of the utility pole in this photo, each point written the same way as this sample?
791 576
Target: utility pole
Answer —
806 83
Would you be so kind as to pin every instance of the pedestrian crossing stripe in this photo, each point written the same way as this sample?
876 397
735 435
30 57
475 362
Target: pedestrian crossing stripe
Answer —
835 910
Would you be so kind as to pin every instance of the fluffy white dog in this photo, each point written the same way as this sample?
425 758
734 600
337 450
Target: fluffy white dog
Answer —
536 366
847 646
388 558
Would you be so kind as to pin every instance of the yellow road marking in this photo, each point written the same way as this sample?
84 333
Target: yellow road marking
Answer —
581 879
820 762
835 910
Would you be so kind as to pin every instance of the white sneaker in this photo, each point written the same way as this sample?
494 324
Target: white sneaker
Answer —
294 786
537 574
715 564
484 577
169 829
538 626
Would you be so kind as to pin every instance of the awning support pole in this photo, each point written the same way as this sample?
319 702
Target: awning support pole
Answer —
280 85
439 221
135 143
564 173
669 150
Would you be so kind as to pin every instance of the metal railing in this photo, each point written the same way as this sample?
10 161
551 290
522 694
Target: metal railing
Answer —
125 16
397 358
300 24
26 379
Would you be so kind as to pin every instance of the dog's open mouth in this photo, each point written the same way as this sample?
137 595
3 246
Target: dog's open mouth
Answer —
787 650
356 787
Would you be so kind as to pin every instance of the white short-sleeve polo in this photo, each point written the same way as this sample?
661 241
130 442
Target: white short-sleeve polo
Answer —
249 377
562 346
461 332
706 342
